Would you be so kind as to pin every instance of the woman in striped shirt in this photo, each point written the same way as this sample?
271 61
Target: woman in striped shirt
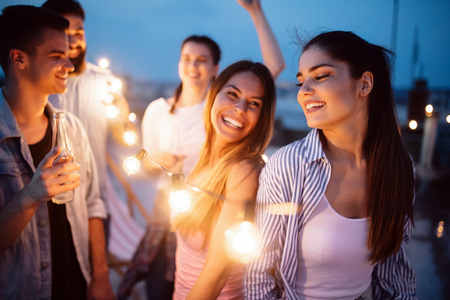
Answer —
335 209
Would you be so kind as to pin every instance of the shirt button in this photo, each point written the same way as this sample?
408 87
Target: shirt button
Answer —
42 223
44 266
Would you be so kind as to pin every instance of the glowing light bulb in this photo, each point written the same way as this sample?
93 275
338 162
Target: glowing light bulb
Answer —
265 158
132 117
448 119
103 63
116 85
440 229
179 201
242 242
131 165
130 137
413 124
112 111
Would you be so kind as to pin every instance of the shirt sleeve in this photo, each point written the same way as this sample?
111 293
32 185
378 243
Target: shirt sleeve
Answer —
149 121
261 280
95 205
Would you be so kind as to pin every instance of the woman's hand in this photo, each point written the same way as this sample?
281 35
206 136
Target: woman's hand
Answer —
249 5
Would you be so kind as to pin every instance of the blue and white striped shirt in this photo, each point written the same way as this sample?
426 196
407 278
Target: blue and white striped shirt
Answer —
291 185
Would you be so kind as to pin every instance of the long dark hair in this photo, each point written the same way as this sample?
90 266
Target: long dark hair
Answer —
203 213
215 53
390 180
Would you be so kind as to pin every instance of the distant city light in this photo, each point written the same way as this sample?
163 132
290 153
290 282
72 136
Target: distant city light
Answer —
429 110
440 229
103 63
132 117
448 119
413 124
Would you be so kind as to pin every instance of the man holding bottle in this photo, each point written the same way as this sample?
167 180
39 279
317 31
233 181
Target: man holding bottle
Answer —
88 86
47 251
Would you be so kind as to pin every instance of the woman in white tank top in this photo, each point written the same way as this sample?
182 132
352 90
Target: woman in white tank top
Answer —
336 207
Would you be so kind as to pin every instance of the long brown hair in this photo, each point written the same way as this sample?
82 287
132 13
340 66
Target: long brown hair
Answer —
205 209
215 54
390 180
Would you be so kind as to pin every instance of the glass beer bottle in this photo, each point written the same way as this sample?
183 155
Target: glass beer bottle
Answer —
61 140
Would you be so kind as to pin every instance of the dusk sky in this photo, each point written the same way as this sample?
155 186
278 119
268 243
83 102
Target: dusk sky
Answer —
142 38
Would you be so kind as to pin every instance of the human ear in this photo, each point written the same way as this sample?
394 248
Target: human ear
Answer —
366 84
18 58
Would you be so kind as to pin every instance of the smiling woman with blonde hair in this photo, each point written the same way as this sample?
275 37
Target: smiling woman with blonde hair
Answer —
239 118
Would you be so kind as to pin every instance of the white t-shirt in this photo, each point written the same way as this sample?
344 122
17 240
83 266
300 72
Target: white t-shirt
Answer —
333 257
181 133
84 97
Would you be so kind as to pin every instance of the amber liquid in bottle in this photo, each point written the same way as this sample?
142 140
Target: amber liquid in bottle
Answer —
61 140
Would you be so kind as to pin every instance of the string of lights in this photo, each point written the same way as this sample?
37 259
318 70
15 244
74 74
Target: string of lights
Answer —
114 87
242 239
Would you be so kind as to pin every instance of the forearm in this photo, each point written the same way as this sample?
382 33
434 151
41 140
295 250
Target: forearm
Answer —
97 248
14 217
270 50
211 281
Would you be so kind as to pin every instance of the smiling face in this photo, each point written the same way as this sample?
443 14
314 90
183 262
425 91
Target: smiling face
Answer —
328 94
196 65
50 65
237 108
77 41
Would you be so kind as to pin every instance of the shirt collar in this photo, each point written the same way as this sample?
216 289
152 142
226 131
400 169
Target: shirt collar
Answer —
8 123
313 144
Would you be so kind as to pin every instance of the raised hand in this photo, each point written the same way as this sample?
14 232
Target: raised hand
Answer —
249 5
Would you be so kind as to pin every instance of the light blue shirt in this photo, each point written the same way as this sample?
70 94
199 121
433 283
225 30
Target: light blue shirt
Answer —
291 186
25 267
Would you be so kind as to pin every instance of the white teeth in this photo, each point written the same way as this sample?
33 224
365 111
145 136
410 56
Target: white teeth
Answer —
233 122
312 105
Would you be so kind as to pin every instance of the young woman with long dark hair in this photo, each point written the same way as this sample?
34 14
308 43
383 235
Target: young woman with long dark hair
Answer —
239 117
335 209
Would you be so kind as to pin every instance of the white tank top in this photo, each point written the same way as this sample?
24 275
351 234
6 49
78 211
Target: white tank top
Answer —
333 257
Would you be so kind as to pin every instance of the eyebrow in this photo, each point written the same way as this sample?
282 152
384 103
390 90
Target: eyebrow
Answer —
315 68
201 55
56 51
230 85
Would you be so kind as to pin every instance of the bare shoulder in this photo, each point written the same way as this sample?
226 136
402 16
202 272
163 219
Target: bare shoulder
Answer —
244 173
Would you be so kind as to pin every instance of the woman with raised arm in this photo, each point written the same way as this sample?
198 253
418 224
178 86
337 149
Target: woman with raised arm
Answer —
239 118
173 132
171 128
335 209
